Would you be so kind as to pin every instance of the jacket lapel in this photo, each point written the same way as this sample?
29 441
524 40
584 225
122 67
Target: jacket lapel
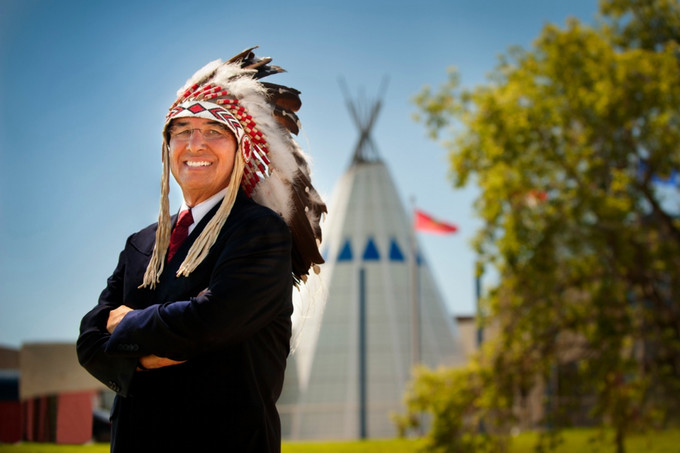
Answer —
169 282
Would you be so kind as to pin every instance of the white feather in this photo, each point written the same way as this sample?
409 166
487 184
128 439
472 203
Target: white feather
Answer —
275 194
198 75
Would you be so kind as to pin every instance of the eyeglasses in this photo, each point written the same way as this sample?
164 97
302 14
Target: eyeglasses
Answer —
211 133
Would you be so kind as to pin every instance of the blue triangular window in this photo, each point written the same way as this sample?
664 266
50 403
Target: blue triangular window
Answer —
345 252
395 251
371 251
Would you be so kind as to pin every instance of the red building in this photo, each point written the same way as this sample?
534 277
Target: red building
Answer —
10 406
46 396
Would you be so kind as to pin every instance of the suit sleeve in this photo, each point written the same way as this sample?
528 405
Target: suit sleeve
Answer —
115 372
249 287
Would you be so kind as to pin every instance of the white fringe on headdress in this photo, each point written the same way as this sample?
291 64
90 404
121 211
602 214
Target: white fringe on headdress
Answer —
201 246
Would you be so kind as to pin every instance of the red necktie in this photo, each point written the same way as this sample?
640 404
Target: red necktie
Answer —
180 232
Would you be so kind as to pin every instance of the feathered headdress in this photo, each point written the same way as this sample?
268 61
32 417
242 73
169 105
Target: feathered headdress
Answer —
270 166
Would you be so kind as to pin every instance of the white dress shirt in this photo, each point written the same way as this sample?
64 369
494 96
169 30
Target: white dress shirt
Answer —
201 209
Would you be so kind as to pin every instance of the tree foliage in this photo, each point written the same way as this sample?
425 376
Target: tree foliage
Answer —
575 146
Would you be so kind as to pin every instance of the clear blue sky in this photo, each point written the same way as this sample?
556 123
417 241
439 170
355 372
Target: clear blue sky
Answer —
84 87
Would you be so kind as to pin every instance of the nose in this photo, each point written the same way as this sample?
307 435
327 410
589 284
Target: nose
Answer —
196 140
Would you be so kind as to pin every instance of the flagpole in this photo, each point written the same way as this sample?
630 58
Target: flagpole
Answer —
415 290
415 301
420 222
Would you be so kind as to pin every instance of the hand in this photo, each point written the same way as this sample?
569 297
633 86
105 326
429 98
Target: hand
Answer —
152 362
116 316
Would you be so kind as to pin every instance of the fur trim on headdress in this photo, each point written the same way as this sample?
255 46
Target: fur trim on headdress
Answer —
271 167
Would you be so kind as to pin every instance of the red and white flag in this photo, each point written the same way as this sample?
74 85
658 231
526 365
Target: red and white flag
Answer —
425 222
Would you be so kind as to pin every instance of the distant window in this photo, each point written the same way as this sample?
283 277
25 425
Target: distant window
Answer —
345 252
395 251
371 251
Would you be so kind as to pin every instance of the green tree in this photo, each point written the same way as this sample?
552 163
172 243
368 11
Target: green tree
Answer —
570 143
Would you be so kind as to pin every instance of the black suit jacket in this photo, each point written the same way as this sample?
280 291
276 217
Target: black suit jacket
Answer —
235 339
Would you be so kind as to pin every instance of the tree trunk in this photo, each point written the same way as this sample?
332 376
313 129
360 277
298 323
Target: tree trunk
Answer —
620 440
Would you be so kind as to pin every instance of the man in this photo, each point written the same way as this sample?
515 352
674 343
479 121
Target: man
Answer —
192 330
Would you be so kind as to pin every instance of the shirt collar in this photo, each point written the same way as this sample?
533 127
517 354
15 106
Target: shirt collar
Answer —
200 210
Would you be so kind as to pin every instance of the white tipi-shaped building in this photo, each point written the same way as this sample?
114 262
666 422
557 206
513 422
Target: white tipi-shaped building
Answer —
380 317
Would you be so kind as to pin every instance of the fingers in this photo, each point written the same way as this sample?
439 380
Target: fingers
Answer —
152 362
116 316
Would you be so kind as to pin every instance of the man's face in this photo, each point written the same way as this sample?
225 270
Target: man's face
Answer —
201 157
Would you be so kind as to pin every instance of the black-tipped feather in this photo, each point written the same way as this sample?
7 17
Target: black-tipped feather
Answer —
284 97
308 207
245 55
305 247
287 119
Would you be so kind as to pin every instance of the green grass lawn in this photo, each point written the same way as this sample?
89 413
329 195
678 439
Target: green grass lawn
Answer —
581 441
575 440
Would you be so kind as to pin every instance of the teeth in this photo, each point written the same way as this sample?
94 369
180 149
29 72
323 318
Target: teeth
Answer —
197 164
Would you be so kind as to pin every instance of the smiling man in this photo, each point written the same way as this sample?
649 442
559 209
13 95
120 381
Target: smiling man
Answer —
193 328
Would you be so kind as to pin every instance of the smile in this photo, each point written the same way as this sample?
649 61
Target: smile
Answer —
191 163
